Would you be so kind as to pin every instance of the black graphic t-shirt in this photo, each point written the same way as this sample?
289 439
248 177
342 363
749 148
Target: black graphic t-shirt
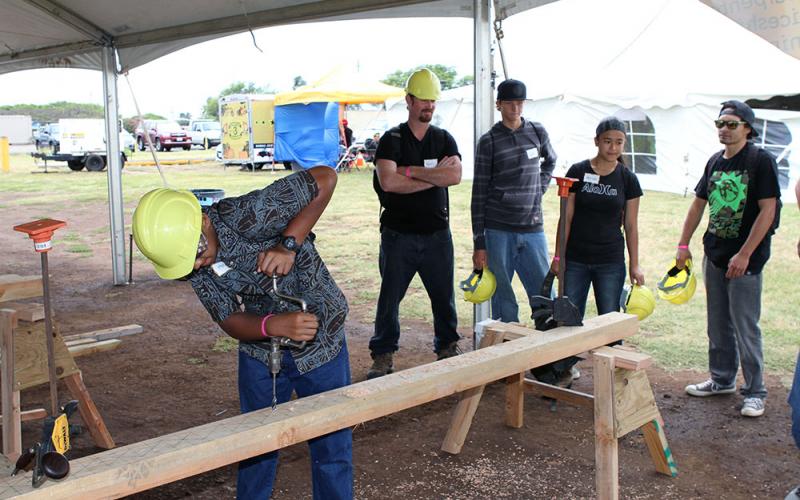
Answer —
732 189
595 235
252 223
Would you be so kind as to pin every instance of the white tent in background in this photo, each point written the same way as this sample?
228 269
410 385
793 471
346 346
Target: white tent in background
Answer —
664 66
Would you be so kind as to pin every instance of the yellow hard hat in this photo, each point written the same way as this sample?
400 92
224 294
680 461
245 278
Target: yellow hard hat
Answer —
479 286
678 285
424 84
638 300
166 227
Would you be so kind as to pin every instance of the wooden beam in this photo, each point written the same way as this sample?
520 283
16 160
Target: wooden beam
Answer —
606 453
467 405
659 449
107 333
91 417
12 429
37 414
515 400
627 359
15 287
562 394
137 467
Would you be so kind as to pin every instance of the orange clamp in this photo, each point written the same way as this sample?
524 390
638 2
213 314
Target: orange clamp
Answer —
564 184
41 232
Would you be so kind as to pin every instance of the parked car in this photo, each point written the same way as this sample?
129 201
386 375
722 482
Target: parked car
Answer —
49 136
205 133
126 141
164 135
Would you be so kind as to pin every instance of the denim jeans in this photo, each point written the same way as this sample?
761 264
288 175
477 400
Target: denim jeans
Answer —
794 403
523 253
331 454
606 280
402 255
733 309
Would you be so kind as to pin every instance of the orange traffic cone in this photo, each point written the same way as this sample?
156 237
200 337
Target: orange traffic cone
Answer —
360 161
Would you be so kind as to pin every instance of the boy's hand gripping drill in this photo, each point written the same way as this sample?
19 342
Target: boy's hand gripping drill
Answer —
277 342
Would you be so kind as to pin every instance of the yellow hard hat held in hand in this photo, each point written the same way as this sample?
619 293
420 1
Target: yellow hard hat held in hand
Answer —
678 285
479 286
638 300
166 227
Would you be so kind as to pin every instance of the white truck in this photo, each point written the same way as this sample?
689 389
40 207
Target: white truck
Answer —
82 144
205 133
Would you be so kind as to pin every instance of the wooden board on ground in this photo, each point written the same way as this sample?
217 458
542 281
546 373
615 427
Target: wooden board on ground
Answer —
150 463
15 287
93 347
107 333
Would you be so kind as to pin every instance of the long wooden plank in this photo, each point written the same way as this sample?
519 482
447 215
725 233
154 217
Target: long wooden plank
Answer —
12 428
150 463
107 333
15 287
93 347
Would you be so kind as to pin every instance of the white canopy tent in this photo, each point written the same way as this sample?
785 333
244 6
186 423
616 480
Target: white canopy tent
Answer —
117 36
667 67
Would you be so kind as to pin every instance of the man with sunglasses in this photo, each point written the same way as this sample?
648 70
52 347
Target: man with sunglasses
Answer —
740 185
229 253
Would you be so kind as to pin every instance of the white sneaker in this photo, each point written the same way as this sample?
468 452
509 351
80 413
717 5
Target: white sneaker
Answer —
753 407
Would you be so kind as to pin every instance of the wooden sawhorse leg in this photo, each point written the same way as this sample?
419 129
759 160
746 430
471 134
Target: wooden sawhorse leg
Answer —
12 426
91 417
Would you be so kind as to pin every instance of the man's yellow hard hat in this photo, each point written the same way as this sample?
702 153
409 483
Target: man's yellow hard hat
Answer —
479 286
678 285
424 84
166 227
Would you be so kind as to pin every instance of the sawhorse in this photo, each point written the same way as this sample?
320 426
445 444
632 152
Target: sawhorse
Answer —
622 402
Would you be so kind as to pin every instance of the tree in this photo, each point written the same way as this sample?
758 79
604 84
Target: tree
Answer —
298 82
446 74
211 107
130 124
465 80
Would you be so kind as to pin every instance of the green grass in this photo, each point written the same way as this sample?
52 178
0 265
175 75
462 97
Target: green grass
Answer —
347 236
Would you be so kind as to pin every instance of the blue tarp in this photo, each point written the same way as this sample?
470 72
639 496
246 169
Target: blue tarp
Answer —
307 134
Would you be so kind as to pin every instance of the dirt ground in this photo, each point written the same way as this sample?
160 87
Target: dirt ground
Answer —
168 378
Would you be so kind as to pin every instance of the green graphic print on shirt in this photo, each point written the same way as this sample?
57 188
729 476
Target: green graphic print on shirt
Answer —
727 196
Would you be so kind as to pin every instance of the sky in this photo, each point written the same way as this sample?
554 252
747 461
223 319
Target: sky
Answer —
181 81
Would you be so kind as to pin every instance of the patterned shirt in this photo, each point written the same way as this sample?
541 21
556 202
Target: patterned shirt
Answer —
253 223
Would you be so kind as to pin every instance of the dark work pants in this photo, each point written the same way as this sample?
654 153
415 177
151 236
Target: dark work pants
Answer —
402 255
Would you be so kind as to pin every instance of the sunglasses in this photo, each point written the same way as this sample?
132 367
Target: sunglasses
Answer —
731 124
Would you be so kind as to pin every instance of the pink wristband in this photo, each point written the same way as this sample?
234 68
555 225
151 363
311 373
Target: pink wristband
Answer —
408 172
683 247
264 325
556 258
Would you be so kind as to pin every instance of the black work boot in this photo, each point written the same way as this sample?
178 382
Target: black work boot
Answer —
448 351
381 365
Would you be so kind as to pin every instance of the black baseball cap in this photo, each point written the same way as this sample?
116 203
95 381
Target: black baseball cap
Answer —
511 90
742 110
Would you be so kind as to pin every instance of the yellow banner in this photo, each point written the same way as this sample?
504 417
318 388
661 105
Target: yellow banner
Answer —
263 122
776 21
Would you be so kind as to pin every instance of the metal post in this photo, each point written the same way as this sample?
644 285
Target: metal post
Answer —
116 215
48 334
484 111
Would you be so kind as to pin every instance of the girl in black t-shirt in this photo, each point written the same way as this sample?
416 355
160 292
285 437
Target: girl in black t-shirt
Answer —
603 202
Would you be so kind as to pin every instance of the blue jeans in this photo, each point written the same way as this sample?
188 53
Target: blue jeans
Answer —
734 309
331 454
523 253
402 255
606 280
794 402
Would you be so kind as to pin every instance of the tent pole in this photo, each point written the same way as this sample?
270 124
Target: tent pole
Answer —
113 158
484 112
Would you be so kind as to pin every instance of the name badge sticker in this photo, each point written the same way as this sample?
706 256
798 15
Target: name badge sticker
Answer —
220 268
591 178
430 163
533 153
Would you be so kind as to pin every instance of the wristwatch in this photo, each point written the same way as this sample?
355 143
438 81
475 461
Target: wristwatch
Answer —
290 243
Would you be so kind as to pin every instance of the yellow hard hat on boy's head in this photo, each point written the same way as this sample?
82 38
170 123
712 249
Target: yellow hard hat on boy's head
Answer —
424 84
166 227
678 285
479 286
638 300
